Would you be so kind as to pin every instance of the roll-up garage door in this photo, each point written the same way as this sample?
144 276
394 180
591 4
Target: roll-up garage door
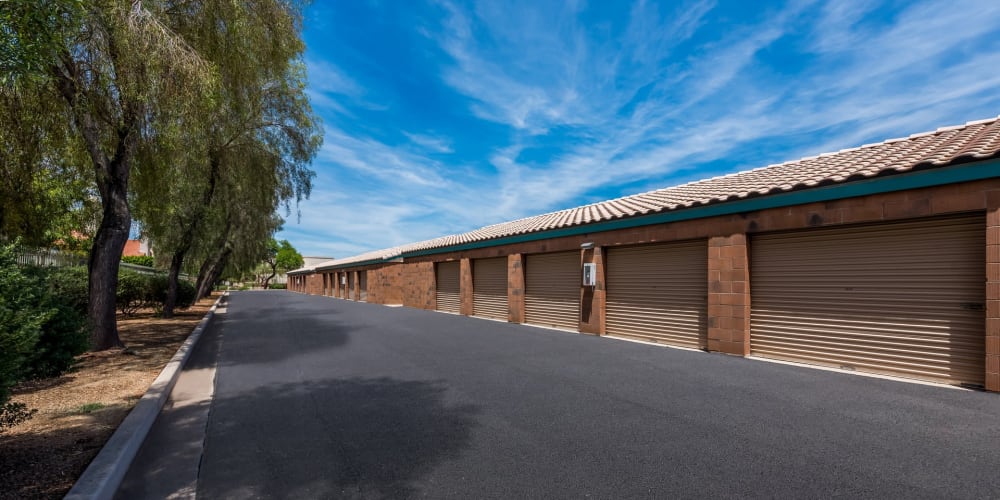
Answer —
659 293
363 285
350 285
448 287
905 299
552 290
489 288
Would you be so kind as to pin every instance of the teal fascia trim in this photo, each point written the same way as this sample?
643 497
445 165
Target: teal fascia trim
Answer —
899 182
354 264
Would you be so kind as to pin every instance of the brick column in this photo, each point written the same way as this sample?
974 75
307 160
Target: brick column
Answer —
355 286
515 288
729 295
993 291
465 287
592 297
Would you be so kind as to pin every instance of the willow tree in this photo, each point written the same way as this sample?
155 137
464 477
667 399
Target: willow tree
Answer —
115 67
259 110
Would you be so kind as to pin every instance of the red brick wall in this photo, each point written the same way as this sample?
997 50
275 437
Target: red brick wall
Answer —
592 297
418 285
729 286
729 295
515 288
993 292
314 284
465 287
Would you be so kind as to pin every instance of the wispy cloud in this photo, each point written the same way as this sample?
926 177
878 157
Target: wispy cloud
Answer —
564 106
432 143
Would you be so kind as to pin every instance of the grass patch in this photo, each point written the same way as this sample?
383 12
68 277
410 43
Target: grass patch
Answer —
88 408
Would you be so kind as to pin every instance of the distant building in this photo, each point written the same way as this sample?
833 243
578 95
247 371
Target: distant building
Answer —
136 248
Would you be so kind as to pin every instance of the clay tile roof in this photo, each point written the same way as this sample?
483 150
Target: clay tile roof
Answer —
978 140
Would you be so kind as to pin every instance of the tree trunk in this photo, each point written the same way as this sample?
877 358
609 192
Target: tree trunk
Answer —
204 284
112 176
211 270
188 236
105 258
175 270
267 280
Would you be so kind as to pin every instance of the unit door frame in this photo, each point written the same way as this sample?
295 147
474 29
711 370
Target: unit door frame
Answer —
552 285
658 293
448 286
904 298
489 288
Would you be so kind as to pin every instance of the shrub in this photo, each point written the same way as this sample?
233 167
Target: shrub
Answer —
132 293
69 285
65 334
277 286
139 260
21 320
156 292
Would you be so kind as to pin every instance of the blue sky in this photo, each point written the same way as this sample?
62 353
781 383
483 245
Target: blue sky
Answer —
441 117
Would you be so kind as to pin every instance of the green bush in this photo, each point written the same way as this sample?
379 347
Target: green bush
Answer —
276 286
133 292
156 292
65 334
139 260
21 320
69 285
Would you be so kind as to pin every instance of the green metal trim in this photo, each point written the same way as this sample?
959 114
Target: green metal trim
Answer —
355 264
898 182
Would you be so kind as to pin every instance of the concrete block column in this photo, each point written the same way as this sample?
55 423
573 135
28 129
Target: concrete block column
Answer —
592 300
993 291
466 304
729 295
515 288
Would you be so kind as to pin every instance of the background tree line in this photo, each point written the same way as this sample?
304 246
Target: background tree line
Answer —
189 117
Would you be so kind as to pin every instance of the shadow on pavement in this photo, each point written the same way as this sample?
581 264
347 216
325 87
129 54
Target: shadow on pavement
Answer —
338 438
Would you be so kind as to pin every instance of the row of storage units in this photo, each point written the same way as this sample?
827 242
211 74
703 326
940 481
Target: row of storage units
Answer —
904 298
342 285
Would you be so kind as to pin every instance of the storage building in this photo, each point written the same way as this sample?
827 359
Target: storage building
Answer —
883 258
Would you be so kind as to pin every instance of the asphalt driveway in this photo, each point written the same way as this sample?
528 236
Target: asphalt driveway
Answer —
321 398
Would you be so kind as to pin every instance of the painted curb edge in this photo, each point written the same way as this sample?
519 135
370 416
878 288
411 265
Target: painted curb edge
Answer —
106 472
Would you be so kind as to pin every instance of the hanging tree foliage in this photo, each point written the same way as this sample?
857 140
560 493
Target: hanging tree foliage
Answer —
186 110
257 126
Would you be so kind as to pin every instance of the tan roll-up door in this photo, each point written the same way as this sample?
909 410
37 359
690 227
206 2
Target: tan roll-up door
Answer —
363 285
552 290
489 288
448 287
905 299
659 293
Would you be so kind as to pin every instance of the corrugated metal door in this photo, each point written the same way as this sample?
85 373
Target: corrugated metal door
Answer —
905 299
552 290
489 288
659 293
363 285
448 287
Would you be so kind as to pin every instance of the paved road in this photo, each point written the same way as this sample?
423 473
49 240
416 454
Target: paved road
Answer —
321 398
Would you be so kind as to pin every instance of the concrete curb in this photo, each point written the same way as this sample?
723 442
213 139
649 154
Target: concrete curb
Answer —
105 473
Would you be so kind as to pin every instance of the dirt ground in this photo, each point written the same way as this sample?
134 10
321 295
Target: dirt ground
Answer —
79 411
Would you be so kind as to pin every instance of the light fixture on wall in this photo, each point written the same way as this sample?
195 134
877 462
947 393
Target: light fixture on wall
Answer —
587 246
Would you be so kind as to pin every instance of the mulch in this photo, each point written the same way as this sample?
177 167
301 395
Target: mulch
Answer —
78 411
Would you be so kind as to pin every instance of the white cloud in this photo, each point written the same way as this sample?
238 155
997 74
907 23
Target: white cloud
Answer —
430 142
632 108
